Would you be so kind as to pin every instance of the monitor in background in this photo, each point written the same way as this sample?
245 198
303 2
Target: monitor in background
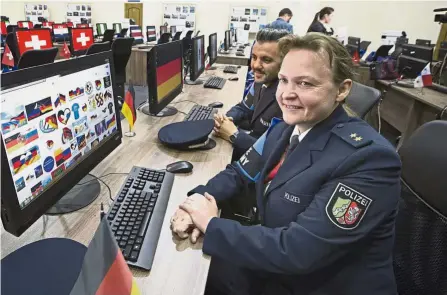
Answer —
101 28
227 41
410 67
47 25
173 30
212 49
23 24
108 35
69 24
151 34
60 32
401 40
164 77
83 26
3 30
163 29
423 42
117 27
53 135
137 34
80 40
197 64
32 39
418 51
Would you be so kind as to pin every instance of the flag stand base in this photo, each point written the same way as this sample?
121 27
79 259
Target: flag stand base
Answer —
166 112
130 134
78 197
62 260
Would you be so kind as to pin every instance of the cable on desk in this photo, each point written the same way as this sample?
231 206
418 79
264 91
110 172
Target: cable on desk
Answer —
102 176
185 100
182 112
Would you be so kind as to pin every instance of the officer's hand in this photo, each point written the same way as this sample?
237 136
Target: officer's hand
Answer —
201 210
219 119
227 128
181 224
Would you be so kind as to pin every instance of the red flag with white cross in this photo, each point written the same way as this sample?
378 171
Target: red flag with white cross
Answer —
65 53
8 59
81 38
33 39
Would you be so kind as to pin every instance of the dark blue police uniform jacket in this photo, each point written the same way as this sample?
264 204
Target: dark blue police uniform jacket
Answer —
254 114
327 218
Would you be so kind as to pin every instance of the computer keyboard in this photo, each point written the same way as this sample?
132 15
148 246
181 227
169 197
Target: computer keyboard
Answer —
438 87
230 70
215 82
199 112
137 214
240 54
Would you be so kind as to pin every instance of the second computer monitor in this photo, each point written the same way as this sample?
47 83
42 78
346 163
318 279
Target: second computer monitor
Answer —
197 65
151 34
212 48
101 28
173 30
163 29
227 41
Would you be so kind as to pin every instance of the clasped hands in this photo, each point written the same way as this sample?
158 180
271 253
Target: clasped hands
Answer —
193 216
224 126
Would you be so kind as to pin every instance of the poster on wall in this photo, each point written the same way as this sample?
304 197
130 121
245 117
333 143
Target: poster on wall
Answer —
240 17
183 16
77 12
34 11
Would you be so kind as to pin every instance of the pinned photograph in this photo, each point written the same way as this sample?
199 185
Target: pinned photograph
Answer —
263 11
192 9
178 9
185 9
174 16
167 15
247 11
255 11
234 18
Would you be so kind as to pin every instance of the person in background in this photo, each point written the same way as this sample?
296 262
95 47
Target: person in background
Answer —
283 21
327 190
321 21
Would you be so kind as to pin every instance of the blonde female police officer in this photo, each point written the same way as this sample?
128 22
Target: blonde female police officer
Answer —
327 188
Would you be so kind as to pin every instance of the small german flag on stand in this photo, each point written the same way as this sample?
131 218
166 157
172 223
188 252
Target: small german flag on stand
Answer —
129 110
104 270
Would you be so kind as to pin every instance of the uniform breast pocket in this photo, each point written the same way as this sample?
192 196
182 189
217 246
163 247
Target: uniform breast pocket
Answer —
286 205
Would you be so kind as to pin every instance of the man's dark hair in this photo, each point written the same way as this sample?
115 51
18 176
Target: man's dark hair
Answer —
270 35
285 11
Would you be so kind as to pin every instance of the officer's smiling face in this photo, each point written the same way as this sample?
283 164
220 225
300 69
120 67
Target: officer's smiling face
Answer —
265 62
306 91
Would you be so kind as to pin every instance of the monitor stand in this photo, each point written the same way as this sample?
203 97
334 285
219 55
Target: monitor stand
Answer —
212 68
196 82
78 197
166 112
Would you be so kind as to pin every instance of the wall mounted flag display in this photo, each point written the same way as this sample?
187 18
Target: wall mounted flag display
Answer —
33 39
81 38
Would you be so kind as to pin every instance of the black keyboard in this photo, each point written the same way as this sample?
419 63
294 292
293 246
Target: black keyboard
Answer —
137 214
438 87
215 82
230 70
199 112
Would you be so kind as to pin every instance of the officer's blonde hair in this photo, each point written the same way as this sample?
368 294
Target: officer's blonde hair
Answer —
340 60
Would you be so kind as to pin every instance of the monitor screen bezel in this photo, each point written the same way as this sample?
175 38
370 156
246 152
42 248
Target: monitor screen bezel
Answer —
227 40
154 105
16 220
212 61
195 73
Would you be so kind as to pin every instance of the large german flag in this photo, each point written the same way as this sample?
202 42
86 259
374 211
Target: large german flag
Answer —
169 70
104 270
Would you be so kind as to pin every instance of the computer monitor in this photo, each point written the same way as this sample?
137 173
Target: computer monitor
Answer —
227 41
410 67
83 26
48 25
69 24
163 29
60 32
80 40
164 78
137 34
401 40
423 42
53 133
24 24
32 39
3 30
418 51
197 64
117 27
151 34
212 48
173 30
101 28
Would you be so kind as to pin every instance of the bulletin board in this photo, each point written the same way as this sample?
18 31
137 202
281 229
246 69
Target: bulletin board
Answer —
34 11
242 15
183 16
76 12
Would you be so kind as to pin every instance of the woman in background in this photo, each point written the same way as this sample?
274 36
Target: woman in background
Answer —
321 22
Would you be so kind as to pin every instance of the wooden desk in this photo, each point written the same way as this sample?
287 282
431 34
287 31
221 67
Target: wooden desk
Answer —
136 69
232 59
179 267
362 75
406 109
59 47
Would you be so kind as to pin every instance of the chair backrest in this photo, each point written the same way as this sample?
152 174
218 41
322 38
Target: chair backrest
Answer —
37 26
364 45
32 58
108 35
177 36
164 38
420 251
121 50
10 28
123 32
189 34
362 98
98 47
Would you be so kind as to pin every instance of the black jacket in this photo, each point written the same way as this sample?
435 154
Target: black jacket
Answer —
320 28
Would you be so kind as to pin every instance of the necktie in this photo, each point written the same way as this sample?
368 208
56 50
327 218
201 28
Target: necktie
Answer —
293 144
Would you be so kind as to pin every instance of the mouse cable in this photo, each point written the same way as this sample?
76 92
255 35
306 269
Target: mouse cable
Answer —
102 176
182 112
185 100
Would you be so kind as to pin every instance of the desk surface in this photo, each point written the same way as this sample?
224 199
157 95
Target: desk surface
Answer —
179 267
433 98
232 53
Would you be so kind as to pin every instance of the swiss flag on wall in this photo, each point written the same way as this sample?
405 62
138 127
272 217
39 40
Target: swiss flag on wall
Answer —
33 39
81 38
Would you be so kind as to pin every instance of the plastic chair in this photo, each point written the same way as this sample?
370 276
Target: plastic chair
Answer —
98 47
32 58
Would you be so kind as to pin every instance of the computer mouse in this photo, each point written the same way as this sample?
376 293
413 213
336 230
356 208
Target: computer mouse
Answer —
233 78
180 167
239 67
216 105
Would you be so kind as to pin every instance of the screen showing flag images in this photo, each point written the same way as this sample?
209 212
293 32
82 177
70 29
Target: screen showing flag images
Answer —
33 39
25 24
169 69
151 34
60 30
136 33
81 38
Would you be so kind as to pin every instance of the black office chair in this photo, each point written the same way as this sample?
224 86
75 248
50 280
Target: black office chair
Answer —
420 251
189 34
177 36
362 98
108 35
98 47
364 45
121 50
10 28
37 26
32 58
164 38
123 32
11 42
